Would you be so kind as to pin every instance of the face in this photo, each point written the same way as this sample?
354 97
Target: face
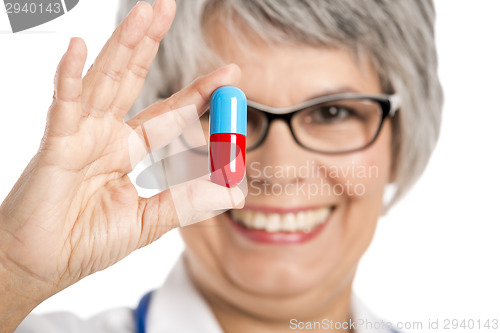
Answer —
333 204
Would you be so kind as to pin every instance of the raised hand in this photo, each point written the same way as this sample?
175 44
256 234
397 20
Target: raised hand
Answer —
74 210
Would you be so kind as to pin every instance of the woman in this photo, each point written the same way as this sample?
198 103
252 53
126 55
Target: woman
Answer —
344 101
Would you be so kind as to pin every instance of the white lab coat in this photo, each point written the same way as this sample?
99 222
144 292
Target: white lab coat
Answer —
176 307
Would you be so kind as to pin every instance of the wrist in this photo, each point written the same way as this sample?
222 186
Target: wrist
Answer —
18 294
14 305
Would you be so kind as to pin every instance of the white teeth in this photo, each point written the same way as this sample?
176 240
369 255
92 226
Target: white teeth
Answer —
289 223
273 223
300 221
259 220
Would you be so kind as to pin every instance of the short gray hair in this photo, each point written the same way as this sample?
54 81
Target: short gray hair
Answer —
398 37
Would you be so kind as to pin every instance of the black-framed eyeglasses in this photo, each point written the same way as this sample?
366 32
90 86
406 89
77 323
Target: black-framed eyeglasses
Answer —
332 124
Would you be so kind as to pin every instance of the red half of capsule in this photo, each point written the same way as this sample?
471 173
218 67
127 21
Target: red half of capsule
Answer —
227 158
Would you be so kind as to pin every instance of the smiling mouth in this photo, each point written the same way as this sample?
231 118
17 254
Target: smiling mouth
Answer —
299 221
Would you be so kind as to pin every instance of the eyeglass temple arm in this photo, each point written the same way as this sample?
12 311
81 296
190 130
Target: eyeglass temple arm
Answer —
395 101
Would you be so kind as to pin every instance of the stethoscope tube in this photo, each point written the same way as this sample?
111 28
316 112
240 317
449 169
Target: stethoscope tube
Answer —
141 312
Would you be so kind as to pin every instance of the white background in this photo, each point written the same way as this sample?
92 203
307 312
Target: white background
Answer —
436 255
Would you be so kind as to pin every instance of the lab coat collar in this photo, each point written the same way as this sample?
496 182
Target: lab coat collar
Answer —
178 307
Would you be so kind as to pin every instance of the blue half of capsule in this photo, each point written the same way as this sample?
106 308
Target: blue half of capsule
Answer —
228 111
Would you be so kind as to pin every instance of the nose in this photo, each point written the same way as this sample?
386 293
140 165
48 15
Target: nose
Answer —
278 159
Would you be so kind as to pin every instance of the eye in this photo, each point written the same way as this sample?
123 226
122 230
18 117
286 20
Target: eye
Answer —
254 119
329 114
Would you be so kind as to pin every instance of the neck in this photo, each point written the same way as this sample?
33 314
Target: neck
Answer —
233 319
238 312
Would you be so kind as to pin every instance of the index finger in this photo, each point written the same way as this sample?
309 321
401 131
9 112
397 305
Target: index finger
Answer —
162 122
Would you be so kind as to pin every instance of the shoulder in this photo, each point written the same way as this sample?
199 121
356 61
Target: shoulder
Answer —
115 320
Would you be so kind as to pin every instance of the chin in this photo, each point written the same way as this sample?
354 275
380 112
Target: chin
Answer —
281 259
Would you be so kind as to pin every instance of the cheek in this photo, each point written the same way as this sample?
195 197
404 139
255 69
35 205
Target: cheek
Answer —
364 173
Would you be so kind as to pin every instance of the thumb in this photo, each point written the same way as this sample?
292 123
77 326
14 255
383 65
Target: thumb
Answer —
185 204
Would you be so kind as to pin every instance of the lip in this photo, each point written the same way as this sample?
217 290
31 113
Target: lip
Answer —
278 238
